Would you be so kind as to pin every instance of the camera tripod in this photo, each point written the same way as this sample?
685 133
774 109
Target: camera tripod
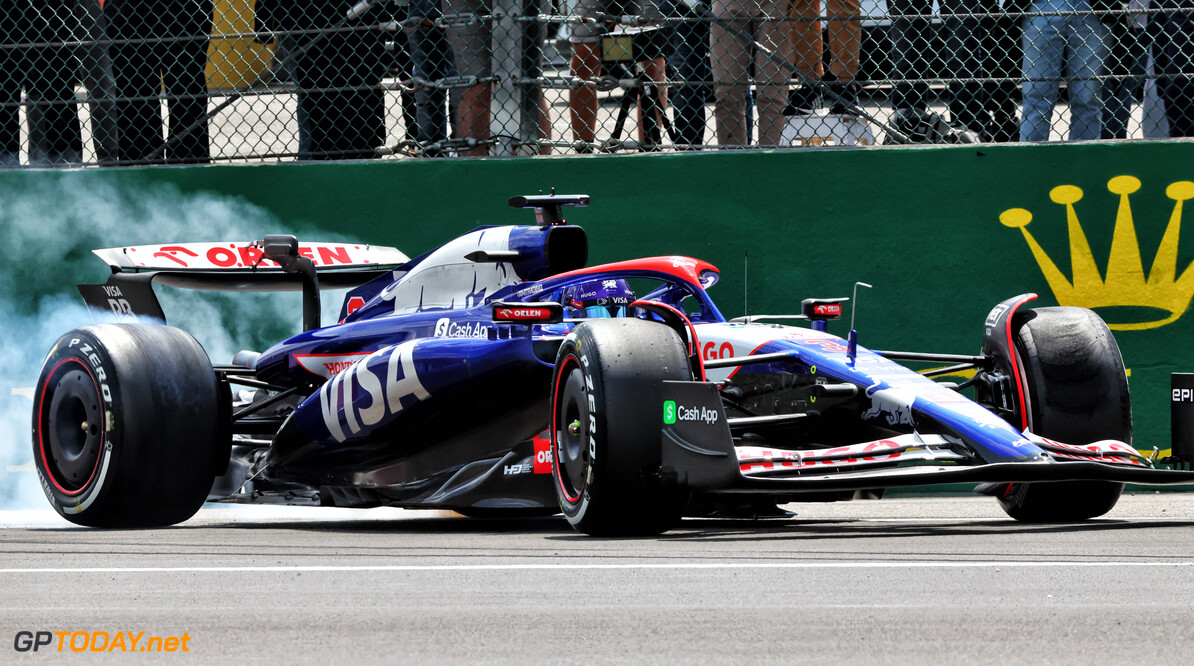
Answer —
646 93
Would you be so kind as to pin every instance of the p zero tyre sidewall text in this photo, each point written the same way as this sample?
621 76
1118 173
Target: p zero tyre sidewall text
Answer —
74 351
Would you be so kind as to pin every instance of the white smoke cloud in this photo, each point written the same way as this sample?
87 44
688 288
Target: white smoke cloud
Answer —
48 226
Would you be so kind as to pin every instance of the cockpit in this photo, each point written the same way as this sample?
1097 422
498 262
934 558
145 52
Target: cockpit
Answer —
598 299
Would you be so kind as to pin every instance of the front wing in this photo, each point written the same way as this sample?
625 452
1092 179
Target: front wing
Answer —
698 452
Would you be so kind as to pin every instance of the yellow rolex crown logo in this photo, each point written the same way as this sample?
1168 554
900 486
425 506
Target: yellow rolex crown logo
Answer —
1154 300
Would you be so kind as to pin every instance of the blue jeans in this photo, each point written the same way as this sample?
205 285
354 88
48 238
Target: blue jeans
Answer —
1075 46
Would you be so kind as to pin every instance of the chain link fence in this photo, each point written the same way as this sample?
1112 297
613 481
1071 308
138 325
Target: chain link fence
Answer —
106 82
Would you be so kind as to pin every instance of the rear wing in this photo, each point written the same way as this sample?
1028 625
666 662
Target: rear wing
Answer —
277 263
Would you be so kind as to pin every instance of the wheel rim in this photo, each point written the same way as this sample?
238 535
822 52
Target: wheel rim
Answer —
70 426
571 432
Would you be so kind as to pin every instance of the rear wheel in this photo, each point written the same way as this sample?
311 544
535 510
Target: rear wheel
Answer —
125 425
607 415
1077 393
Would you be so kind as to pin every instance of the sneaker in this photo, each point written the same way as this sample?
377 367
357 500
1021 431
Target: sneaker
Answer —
844 97
803 100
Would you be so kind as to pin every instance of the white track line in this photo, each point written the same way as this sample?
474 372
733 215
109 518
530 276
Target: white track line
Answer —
564 567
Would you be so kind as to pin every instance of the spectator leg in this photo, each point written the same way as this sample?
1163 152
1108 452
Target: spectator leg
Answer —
582 103
690 62
1174 53
845 38
909 48
1086 53
11 66
95 74
655 70
138 84
471 47
186 101
473 117
808 46
54 133
963 53
432 58
1181 111
1044 48
284 54
731 57
1125 64
771 78
1003 55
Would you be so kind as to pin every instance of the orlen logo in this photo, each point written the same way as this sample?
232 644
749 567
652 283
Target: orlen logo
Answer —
248 255
517 314
542 443
828 310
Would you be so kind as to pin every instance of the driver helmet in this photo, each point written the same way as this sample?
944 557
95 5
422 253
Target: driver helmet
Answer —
598 299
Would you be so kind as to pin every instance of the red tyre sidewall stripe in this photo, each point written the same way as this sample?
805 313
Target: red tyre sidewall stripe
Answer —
555 444
41 441
1015 358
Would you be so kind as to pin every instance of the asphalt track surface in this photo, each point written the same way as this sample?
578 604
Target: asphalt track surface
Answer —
905 580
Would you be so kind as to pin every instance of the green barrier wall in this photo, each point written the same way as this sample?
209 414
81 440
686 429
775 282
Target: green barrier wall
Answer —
920 224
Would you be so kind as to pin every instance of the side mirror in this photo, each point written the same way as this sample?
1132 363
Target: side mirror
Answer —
822 309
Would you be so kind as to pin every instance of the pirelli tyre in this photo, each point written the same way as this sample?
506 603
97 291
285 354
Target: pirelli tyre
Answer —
125 425
606 423
1077 393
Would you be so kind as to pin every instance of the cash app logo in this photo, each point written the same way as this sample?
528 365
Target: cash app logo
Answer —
669 412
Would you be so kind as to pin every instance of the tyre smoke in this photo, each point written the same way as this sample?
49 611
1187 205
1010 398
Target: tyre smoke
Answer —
50 222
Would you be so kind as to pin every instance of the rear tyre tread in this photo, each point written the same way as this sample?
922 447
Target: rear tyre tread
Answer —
160 426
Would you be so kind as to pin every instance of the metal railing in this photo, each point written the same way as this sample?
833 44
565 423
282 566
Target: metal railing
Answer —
91 82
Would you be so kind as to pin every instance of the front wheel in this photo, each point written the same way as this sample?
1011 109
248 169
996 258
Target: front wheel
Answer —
126 425
1077 392
607 419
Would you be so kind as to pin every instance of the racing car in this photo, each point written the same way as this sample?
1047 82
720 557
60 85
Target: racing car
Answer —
500 375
